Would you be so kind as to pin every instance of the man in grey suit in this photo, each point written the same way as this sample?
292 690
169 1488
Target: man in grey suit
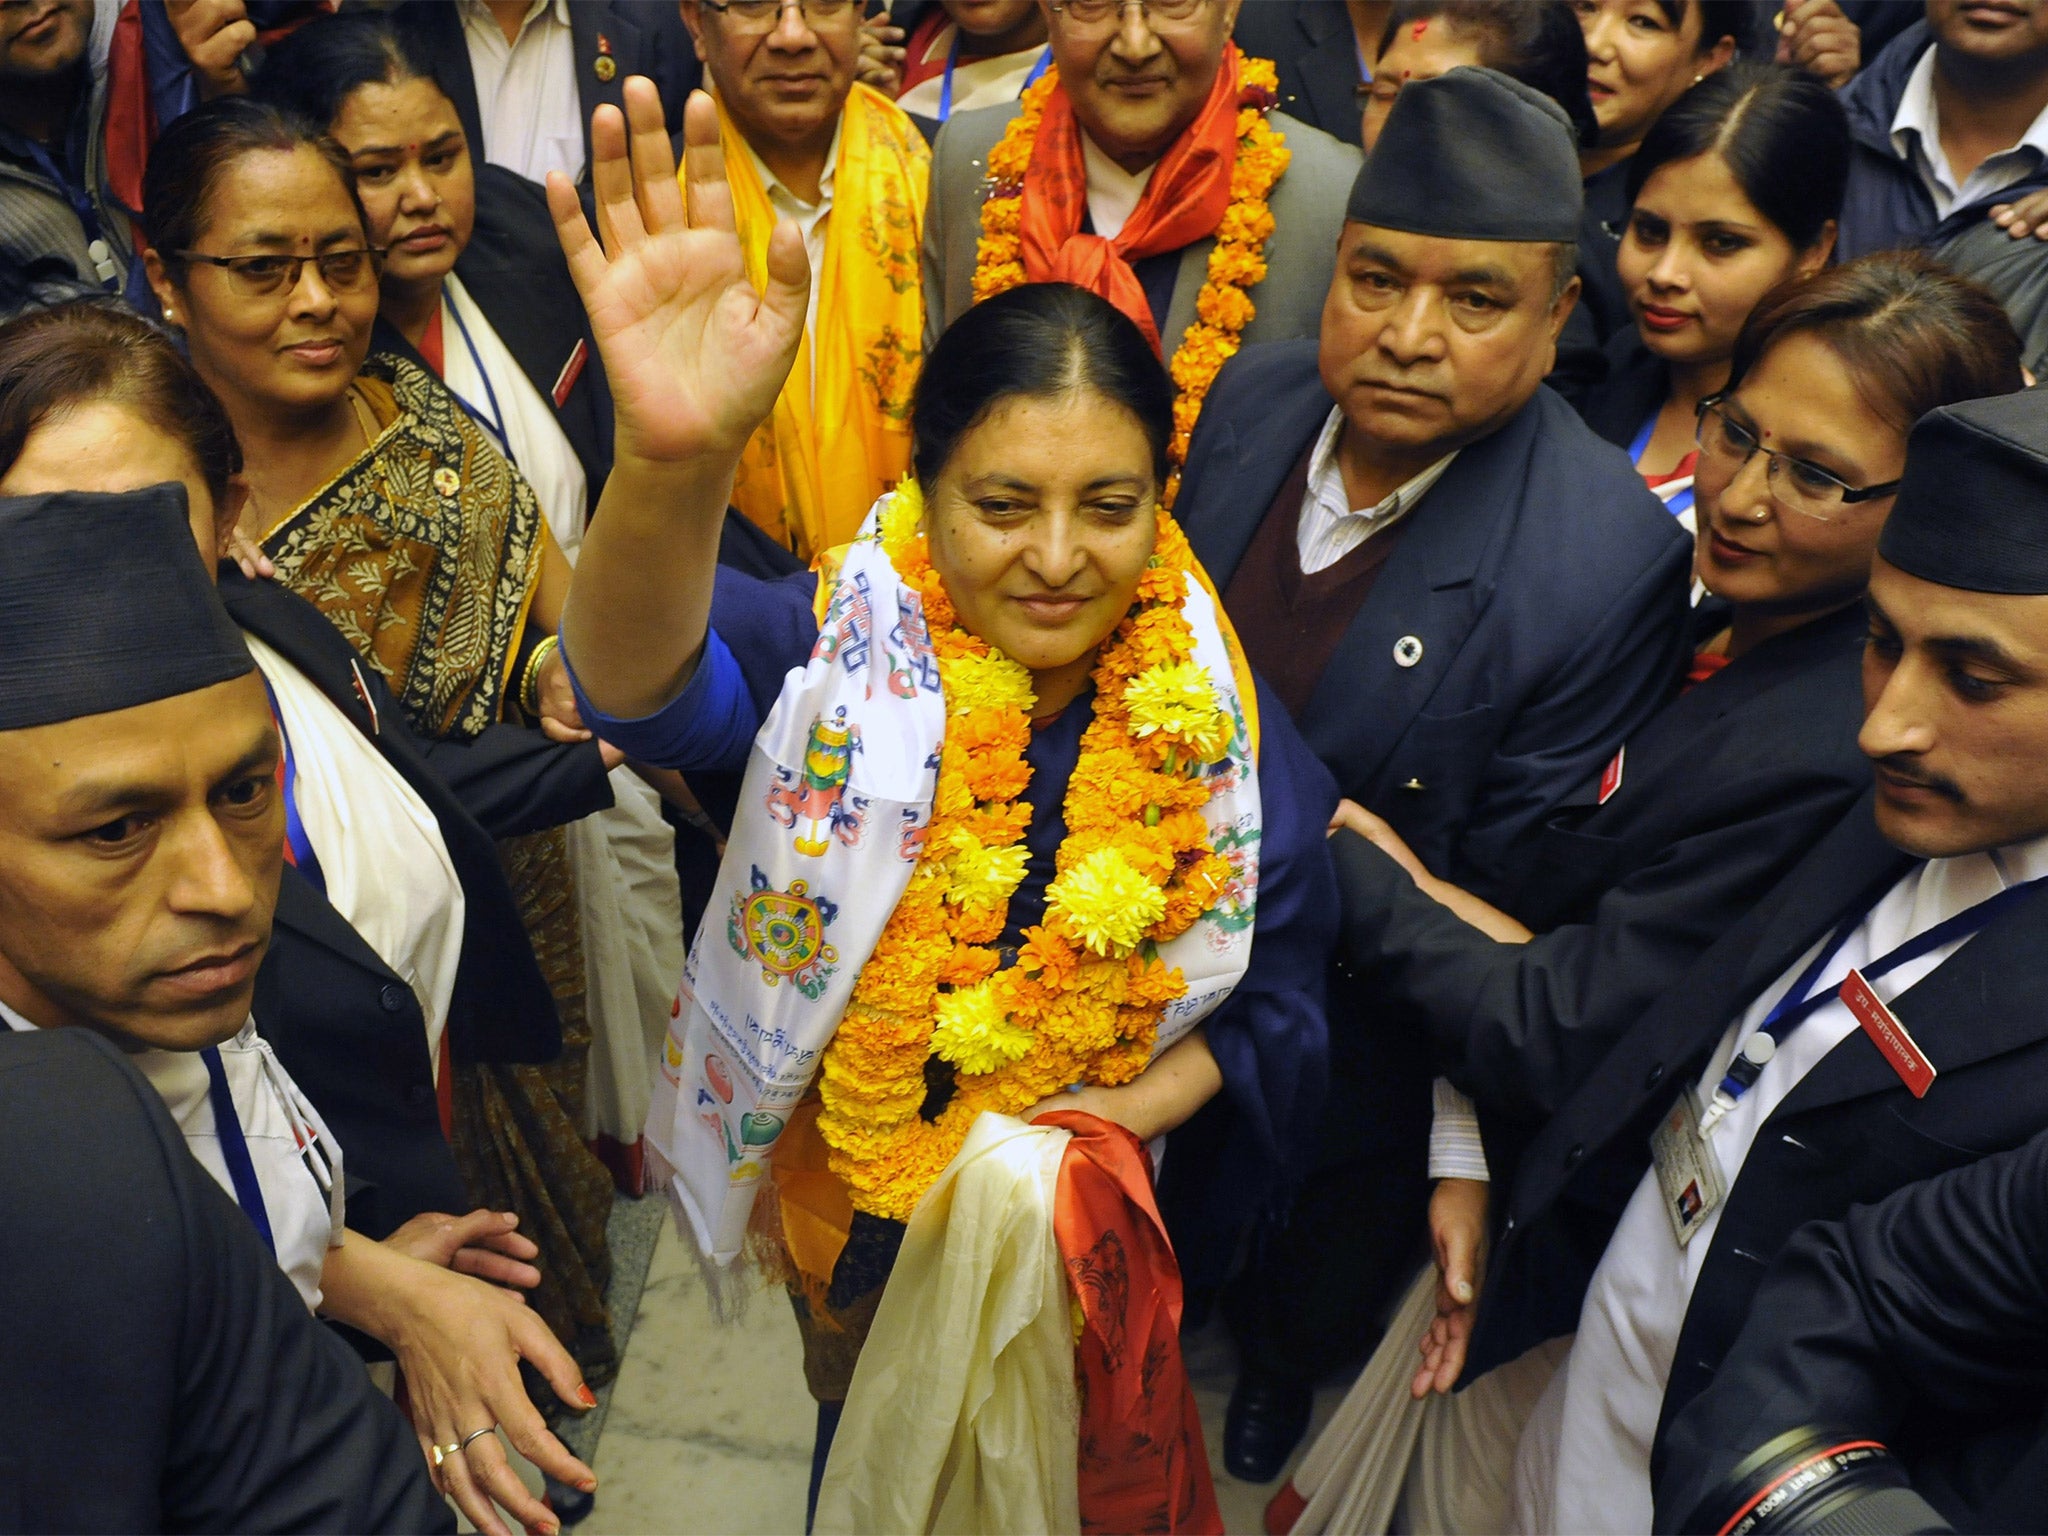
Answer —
1137 78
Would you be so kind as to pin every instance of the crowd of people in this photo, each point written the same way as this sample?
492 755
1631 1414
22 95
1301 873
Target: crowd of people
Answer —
1374 669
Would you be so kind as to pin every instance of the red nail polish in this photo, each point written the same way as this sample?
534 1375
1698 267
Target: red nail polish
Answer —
587 1397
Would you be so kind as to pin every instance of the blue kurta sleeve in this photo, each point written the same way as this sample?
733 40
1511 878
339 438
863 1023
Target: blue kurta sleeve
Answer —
1270 1039
759 631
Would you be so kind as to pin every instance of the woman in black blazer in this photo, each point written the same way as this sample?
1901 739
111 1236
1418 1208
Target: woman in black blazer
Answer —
1734 191
1709 804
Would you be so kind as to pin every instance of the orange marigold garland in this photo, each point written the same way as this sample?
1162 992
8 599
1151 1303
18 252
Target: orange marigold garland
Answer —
1224 307
1083 1001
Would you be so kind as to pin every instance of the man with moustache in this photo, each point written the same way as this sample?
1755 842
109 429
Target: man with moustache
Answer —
63 233
1130 183
805 142
1465 600
1873 1022
142 835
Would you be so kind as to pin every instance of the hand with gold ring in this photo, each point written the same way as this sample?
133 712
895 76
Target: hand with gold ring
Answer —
442 1453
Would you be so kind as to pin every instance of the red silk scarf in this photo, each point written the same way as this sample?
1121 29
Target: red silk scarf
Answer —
1143 1467
1183 202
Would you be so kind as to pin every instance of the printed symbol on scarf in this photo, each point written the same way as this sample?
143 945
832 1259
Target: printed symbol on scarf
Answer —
714 1122
918 667
746 1173
849 625
1407 651
674 1051
784 933
817 796
759 1129
1237 903
910 840
446 481
719 1079
675 1009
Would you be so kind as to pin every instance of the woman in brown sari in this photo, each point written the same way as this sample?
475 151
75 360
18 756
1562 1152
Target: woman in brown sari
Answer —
379 500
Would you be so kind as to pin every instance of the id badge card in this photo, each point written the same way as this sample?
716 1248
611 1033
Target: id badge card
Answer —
1689 1176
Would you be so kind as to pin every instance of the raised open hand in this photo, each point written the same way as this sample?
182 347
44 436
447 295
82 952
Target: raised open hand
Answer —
696 356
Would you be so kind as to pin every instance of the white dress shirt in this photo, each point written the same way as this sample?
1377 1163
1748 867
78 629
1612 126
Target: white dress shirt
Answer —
1113 192
1330 526
306 1219
526 89
1584 1461
814 219
1916 134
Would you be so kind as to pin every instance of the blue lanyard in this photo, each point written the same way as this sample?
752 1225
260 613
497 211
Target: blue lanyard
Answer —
495 422
953 57
97 246
296 838
1802 1002
234 1149
1679 502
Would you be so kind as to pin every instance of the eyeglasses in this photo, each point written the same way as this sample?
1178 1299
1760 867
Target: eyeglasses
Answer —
766 15
1794 484
258 277
1093 13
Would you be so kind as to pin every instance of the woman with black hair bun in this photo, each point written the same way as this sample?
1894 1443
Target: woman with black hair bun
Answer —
1735 190
1009 786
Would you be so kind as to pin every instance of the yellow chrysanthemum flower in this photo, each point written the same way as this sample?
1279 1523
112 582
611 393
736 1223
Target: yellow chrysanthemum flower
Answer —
1108 904
974 1034
986 682
899 519
984 877
1179 702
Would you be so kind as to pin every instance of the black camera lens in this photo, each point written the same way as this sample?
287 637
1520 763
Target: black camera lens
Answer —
1817 1482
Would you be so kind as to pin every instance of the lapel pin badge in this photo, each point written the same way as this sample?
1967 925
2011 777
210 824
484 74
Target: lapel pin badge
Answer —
606 66
1407 651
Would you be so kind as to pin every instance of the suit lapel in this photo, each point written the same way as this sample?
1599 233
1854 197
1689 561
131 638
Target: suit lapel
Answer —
1187 287
308 914
587 25
1432 590
294 628
1984 1001
1329 76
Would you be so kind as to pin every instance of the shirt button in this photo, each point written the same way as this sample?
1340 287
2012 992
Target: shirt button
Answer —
1577 1155
393 998
1656 1076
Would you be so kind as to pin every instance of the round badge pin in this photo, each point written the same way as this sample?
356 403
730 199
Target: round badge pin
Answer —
605 68
1407 651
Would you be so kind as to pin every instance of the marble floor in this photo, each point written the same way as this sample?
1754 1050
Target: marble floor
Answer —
709 1427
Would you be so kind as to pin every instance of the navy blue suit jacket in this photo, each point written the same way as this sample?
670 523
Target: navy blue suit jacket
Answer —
1546 584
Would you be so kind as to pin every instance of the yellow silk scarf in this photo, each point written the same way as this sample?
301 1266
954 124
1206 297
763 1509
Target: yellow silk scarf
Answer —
840 433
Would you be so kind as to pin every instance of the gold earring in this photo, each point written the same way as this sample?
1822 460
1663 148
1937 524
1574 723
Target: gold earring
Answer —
1696 79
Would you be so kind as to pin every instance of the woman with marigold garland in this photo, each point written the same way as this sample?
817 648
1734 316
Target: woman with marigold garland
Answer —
1010 812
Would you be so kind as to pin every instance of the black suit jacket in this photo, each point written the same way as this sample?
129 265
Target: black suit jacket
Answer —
163 1374
1546 585
347 1028
1719 797
1850 1132
1922 1322
1637 382
513 268
1315 53
642 37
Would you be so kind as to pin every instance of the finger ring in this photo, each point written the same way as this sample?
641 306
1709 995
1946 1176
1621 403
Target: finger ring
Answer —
475 1435
442 1453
